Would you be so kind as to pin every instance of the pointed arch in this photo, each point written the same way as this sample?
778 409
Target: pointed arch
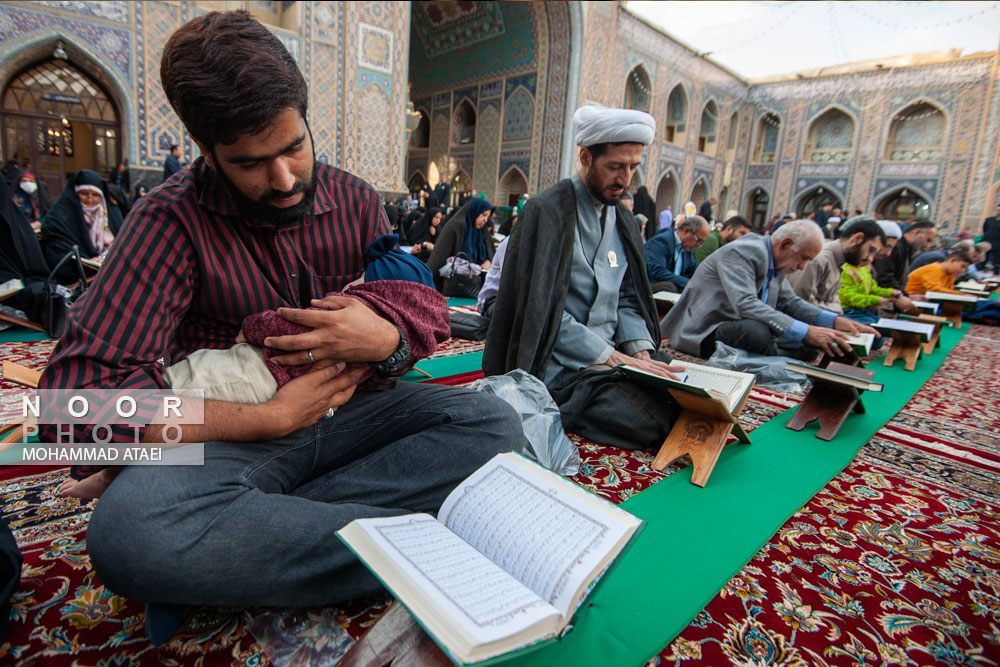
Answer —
816 197
421 137
463 123
768 133
513 184
417 179
518 115
905 203
831 136
638 89
758 201
708 128
20 53
675 129
666 192
917 132
699 192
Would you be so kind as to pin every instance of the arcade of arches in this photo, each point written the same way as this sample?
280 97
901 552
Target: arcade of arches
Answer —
493 86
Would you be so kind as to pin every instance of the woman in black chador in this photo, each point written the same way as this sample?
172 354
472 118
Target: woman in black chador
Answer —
82 216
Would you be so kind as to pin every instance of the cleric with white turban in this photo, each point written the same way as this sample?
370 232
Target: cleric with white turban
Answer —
601 125
574 296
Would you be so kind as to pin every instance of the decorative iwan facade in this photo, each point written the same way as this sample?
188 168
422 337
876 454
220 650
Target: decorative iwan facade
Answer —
495 85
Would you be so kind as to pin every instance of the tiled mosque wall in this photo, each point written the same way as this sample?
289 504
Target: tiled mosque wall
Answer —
353 56
523 66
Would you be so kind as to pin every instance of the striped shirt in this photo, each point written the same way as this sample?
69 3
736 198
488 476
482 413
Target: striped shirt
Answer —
187 268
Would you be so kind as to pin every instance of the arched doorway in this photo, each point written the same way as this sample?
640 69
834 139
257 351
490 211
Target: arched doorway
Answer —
460 185
666 194
757 204
637 89
699 193
56 120
512 186
464 124
417 180
816 199
904 205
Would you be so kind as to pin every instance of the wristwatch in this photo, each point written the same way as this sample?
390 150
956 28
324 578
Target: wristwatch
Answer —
397 361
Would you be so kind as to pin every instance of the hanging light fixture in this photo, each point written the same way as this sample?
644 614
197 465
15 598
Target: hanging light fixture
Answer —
59 52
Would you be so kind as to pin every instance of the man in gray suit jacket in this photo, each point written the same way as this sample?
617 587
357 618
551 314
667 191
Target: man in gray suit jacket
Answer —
739 296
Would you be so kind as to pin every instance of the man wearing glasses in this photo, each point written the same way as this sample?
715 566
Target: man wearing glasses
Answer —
670 261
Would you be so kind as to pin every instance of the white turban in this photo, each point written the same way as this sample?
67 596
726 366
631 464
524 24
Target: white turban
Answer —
891 229
601 125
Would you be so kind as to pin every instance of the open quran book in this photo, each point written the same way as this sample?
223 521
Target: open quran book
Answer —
890 326
966 301
928 307
728 386
513 553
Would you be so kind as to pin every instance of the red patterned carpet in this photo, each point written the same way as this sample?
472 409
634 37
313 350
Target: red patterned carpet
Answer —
895 562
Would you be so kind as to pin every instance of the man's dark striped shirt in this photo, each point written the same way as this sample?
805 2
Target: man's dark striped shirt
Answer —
187 268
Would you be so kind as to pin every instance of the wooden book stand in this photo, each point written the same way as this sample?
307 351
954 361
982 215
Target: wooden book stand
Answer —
20 321
29 377
953 312
395 639
830 402
907 346
938 321
701 430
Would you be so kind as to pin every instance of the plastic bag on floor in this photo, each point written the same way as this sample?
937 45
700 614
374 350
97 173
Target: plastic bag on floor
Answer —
770 371
547 441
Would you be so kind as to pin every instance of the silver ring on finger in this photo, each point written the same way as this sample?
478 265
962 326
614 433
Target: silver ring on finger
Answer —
331 412
309 353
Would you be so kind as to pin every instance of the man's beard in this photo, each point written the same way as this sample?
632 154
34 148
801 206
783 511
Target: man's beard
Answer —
261 210
853 256
595 191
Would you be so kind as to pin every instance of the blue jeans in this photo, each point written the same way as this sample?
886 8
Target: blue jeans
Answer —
255 525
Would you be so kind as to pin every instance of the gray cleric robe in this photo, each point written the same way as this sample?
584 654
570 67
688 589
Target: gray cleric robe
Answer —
600 314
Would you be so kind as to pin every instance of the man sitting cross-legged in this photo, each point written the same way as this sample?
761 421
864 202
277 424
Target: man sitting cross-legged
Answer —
740 296
574 302
258 224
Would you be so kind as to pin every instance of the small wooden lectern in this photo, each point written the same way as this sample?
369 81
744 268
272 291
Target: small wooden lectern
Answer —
395 639
701 430
29 377
938 321
830 402
953 312
906 345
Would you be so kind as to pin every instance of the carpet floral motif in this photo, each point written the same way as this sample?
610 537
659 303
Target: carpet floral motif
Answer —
895 562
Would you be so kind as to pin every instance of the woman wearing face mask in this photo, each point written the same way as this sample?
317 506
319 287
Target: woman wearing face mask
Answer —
26 198
81 217
466 234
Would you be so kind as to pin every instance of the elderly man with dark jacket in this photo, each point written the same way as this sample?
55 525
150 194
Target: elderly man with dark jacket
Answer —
670 260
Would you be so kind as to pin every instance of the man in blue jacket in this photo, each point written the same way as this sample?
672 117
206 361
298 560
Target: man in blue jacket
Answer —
670 262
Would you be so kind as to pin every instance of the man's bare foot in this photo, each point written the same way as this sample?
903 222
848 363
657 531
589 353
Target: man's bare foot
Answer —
89 487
